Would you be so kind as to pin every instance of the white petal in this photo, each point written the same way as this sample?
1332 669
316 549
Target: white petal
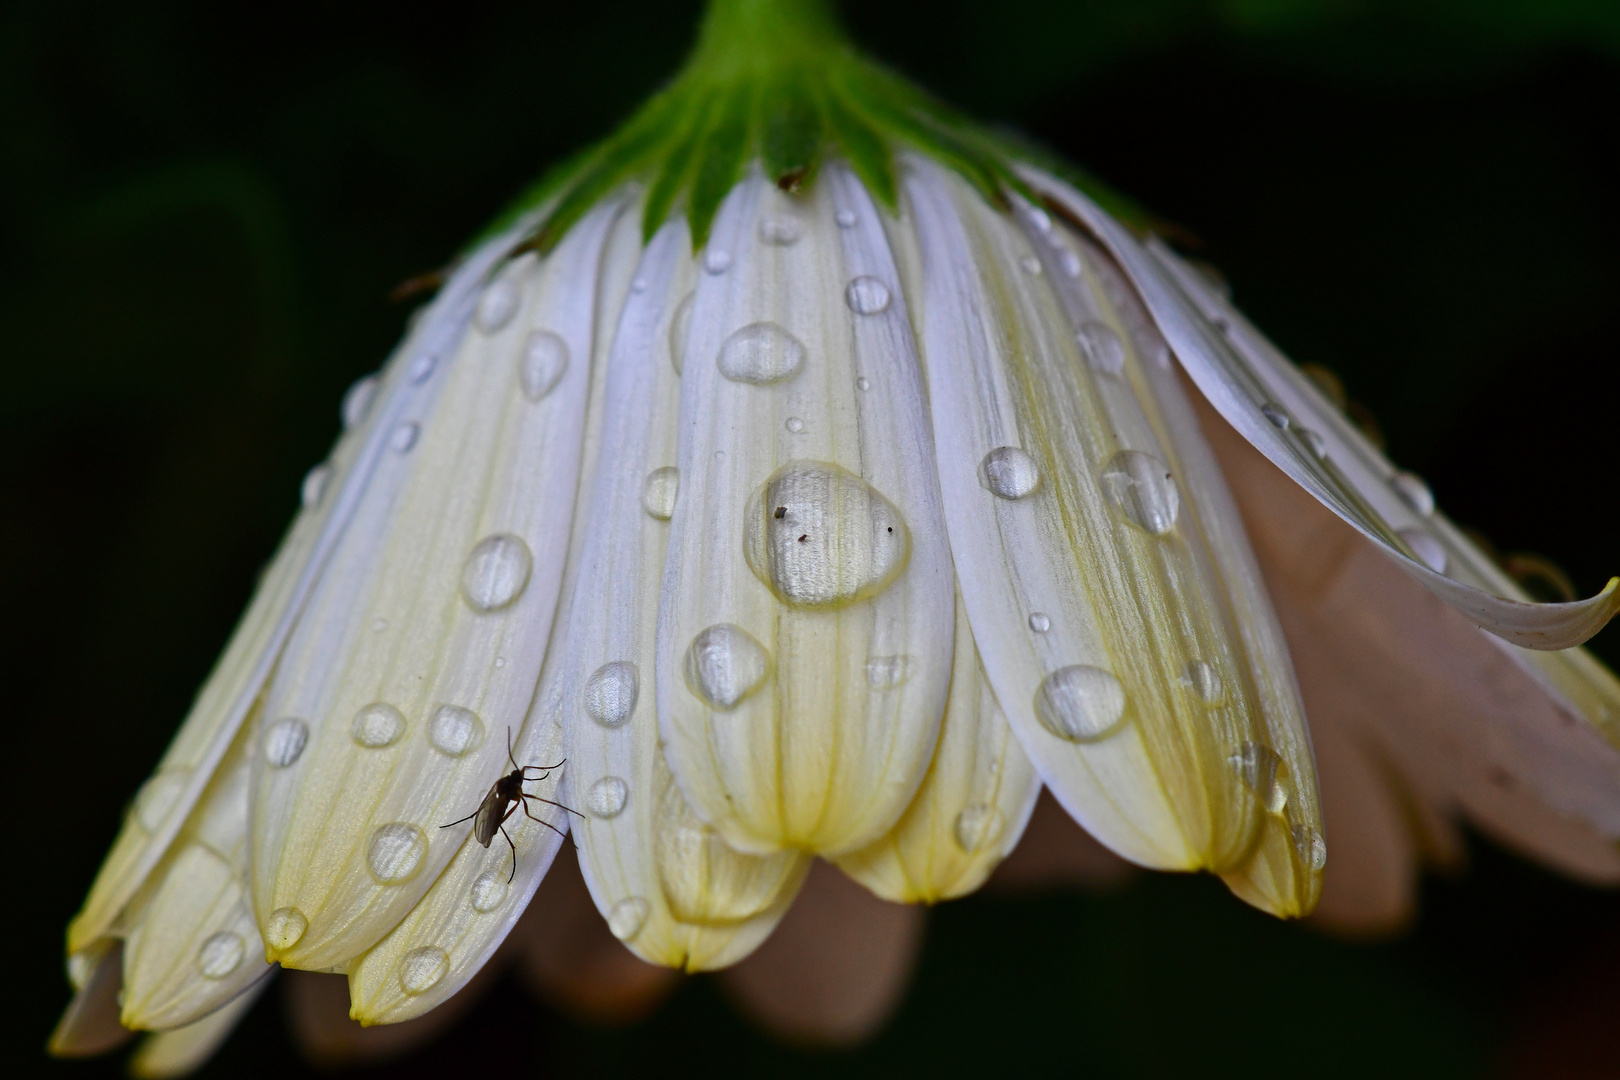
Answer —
807 539
184 1050
421 650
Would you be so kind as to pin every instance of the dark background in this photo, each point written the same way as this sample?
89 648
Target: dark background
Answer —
203 213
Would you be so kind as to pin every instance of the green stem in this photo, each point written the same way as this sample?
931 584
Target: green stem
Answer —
740 38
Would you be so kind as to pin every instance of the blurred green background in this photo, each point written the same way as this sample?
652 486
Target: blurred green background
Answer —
204 210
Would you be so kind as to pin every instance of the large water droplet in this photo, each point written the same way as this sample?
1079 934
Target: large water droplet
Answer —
420 970
724 664
497 306
220 955
545 358
1080 703
760 353
883 672
395 852
157 798
1039 622
488 890
377 725
1101 347
781 231
357 401
314 486
454 730
606 797
1310 845
1205 681
978 827
404 437
1430 551
818 535
611 692
679 324
866 295
284 741
1009 472
627 917
1261 768
1414 492
659 490
496 572
1141 488
284 928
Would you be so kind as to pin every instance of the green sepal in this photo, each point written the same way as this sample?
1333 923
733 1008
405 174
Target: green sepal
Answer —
791 136
675 172
867 152
720 161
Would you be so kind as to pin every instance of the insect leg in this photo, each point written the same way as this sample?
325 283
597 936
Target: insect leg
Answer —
513 846
543 821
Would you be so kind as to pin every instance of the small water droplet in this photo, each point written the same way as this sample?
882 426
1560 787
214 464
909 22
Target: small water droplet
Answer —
627 917
679 324
454 730
863 383
497 306
1101 347
395 852
422 367
1313 440
978 827
1039 622
795 425
1080 703
1040 219
1205 681
1261 768
1430 551
639 285
500 662
883 672
488 890
716 261
659 490
1310 845
1277 415
760 353
1414 492
1143 491
284 741
866 295
606 797
314 486
357 401
725 664
611 692
1009 472
285 928
421 969
220 954
378 625
545 358
404 437
1031 264
1069 262
158 796
377 725
495 572
780 231
846 219
818 535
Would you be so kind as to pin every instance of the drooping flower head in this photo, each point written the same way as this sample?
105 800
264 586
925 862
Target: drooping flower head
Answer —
801 472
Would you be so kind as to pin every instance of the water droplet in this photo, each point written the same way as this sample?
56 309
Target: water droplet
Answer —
496 572
1070 262
497 306
760 353
1313 440
500 662
1414 492
284 928
314 486
866 295
357 400
846 219
724 664
781 231
627 917
606 797
284 741
819 535
1277 415
404 437
1310 845
158 796
883 672
377 725
611 692
1080 703
639 285
716 261
978 827
795 425
488 890
1430 551
659 490
1205 682
421 969
679 324
1261 768
545 358
1040 219
1039 622
394 852
422 367
1101 347
1141 488
454 730
1009 472
1031 264
863 383
220 954
378 625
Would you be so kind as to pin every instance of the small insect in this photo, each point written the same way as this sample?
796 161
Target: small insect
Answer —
503 799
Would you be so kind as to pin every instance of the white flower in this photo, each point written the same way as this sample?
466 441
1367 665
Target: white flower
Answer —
831 516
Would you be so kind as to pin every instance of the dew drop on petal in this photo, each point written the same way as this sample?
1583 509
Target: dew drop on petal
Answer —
284 928
404 437
220 954
1069 262
1031 264
1039 622
639 285
488 890
611 692
495 572
1259 767
1276 415
1009 473
795 425
1310 845
284 741
314 486
606 797
846 219
863 383
659 490
421 368
978 827
1040 219
883 672
545 359
454 730
779 231
1430 551
724 664
866 295
679 324
1414 492
1101 347
1205 682
394 852
1080 703
377 725
497 306
760 353
420 970
1313 440
716 261
627 917
1143 491
157 798
357 401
